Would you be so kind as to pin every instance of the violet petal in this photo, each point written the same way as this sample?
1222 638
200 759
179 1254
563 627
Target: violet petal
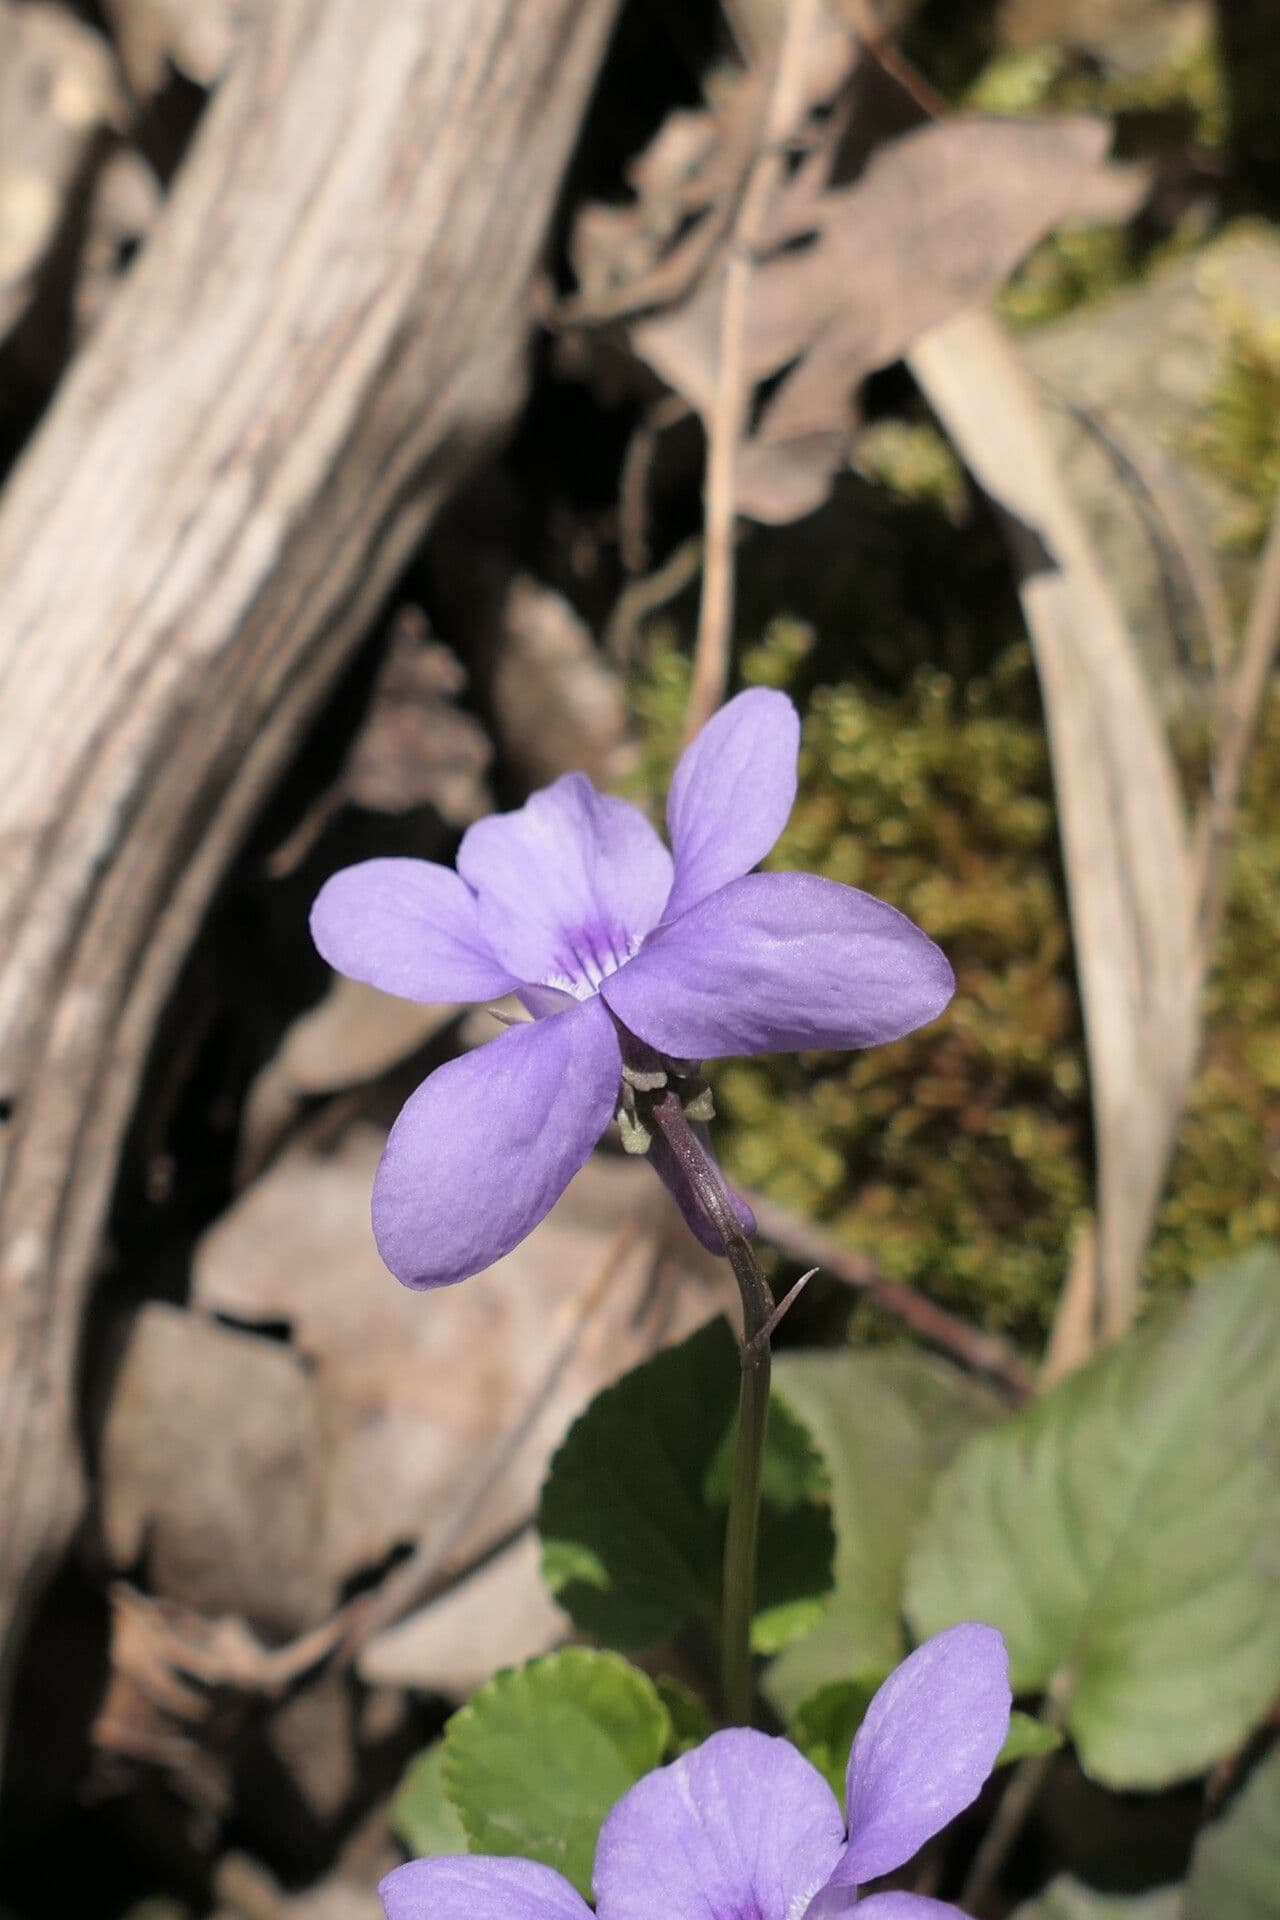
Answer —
925 1749
568 884
664 1164
777 963
407 927
742 1825
479 1887
731 794
907 1906
489 1142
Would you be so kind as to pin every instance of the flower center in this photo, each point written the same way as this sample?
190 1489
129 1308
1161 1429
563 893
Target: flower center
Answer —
589 955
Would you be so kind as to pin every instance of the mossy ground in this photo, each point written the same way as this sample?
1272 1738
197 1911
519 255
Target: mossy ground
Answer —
961 1157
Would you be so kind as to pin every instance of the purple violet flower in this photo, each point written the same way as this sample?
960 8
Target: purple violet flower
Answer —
573 903
744 1828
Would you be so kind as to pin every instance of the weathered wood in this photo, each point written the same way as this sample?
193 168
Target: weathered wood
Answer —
328 323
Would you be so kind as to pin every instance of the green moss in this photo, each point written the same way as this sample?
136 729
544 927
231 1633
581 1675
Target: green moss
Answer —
1225 1192
1238 439
960 1158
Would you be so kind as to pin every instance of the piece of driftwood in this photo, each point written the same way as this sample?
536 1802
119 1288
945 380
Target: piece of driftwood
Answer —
327 325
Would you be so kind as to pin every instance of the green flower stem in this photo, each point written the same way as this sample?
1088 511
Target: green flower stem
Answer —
739 1605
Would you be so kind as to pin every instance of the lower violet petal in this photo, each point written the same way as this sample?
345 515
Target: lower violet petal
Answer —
781 963
742 1825
486 1146
925 1749
479 1887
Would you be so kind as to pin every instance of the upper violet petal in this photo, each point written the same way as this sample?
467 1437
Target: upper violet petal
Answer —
407 927
731 794
741 1825
925 1749
489 1142
471 1886
780 963
568 884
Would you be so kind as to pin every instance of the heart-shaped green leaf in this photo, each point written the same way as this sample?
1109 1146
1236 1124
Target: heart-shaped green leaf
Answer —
1124 1535
536 1759
633 1509
1026 1738
884 1423
422 1813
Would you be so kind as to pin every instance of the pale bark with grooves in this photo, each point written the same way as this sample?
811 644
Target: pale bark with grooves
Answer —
329 321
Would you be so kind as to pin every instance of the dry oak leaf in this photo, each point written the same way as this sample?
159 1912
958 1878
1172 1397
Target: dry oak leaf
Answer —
935 224
417 1394
560 707
499 1616
415 745
212 1476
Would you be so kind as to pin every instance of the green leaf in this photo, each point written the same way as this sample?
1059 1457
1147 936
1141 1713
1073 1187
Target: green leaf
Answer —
1124 1534
422 1814
1068 1899
633 1509
536 1759
885 1423
1235 1870
690 1721
825 1723
1026 1738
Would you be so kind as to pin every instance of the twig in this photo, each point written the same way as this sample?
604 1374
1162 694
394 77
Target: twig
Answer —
729 418
641 597
987 1353
1019 1798
1246 691
633 482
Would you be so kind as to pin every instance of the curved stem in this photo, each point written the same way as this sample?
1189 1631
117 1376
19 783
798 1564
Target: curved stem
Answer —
739 1602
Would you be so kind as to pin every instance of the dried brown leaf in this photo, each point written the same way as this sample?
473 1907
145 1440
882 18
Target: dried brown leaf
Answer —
935 224
212 1472
558 703
417 1394
498 1616
416 746
178 1688
1123 829
353 1035
686 183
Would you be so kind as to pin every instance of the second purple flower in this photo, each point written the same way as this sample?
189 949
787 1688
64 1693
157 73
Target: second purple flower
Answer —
573 903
